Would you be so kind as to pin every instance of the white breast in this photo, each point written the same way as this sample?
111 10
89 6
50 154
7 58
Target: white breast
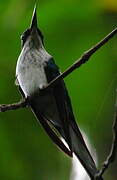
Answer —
30 70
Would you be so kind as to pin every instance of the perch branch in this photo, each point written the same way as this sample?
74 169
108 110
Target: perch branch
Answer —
112 155
83 59
6 107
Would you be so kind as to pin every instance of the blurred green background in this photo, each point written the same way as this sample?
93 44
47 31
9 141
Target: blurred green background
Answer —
70 27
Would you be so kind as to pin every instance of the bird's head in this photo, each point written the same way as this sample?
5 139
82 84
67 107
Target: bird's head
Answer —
33 34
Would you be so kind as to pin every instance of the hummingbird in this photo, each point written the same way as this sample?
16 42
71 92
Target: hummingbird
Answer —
35 69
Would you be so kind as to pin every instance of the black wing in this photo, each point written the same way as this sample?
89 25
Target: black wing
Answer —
52 71
69 128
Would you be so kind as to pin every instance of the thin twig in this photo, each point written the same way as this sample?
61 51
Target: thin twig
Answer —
112 155
6 107
85 57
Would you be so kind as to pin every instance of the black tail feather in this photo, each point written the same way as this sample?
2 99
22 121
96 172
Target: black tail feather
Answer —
44 122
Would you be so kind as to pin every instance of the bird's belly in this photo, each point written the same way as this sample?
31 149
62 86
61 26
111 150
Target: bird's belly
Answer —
31 79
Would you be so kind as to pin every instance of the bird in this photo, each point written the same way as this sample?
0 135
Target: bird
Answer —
35 69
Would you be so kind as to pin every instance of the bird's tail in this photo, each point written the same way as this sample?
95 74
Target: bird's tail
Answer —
81 151
44 122
78 145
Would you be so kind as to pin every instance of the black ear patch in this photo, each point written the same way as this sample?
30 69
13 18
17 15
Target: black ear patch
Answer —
24 36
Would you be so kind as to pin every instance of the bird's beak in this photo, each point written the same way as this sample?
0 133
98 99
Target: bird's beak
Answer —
33 25
34 35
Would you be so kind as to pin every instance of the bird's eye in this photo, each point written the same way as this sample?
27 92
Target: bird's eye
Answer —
25 35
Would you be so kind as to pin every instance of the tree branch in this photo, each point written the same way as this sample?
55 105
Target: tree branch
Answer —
83 59
112 155
6 107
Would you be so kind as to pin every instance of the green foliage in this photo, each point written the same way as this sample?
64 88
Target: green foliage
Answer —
70 27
